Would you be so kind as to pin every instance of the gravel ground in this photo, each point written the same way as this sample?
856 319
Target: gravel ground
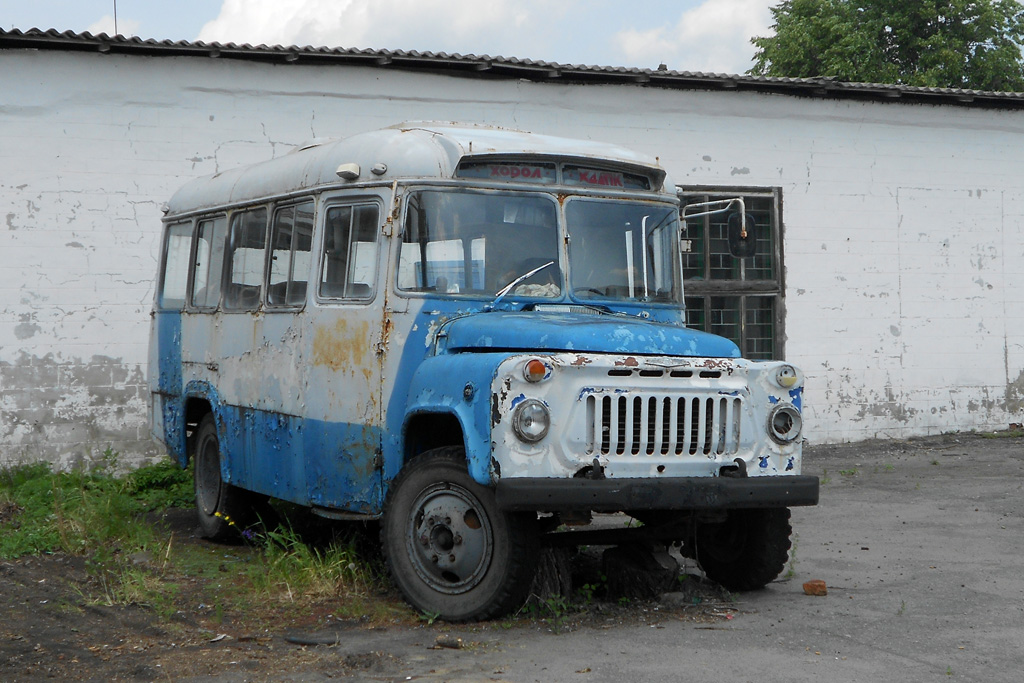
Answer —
919 543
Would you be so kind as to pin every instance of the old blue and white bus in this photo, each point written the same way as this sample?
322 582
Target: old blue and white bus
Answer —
474 336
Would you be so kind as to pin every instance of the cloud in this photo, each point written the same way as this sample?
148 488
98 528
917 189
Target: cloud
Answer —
713 37
434 25
700 35
126 27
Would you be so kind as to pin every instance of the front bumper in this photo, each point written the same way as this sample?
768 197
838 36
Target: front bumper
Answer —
677 493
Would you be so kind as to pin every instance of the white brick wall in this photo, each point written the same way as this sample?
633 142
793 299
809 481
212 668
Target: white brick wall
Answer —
903 224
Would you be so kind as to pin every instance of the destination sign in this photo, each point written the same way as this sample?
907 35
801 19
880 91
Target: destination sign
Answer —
509 172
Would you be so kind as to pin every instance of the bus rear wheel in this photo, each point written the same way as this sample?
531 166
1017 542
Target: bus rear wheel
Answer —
448 547
223 510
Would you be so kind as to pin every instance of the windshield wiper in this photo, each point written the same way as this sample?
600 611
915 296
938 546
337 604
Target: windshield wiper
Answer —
500 294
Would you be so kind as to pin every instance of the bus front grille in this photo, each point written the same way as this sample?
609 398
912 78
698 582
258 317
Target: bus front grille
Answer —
659 425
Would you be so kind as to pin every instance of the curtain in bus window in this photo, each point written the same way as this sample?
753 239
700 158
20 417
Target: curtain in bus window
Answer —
246 241
291 243
350 252
209 263
179 243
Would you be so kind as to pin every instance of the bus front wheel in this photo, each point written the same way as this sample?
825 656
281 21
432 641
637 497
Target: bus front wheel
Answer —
223 510
746 551
448 547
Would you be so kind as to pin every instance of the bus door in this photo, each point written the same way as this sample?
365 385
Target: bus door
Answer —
343 431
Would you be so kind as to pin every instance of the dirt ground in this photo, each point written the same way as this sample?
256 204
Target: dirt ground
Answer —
919 542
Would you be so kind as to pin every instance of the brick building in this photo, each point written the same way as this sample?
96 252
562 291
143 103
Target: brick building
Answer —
891 240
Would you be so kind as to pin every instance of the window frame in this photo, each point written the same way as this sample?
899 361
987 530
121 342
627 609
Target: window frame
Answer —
707 288
673 267
275 210
549 195
165 251
320 244
197 223
229 264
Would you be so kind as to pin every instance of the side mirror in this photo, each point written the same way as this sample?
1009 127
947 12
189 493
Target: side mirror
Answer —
742 243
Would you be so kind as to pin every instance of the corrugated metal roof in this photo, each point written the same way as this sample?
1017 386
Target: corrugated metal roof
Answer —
485 66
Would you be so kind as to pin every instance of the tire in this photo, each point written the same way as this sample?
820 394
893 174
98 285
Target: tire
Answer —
223 510
747 551
448 547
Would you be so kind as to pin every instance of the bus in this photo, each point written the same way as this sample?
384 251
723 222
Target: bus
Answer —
474 336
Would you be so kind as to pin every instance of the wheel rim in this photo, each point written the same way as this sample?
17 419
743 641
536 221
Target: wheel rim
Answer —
449 539
207 476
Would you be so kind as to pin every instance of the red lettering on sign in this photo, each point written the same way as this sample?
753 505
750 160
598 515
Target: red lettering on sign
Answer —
595 178
515 172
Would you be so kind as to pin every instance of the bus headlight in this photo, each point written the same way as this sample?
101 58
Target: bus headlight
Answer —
530 420
784 423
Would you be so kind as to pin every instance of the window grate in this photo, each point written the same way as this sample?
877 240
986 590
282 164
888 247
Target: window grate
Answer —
737 298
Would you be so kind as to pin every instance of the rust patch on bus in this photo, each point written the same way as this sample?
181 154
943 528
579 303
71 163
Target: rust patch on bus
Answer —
342 346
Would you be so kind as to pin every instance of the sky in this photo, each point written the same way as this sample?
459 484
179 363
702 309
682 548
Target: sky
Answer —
686 35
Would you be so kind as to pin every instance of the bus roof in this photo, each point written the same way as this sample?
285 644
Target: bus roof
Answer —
409 150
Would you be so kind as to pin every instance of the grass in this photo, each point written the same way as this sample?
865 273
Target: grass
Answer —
83 511
107 520
302 571
1008 434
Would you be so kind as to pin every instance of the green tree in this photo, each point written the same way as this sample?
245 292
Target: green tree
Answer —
973 44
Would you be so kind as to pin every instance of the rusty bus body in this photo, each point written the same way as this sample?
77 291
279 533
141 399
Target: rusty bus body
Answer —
471 334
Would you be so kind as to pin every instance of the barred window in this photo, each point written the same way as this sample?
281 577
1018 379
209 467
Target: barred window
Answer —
738 298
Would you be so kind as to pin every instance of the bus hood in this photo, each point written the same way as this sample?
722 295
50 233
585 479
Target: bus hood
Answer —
541 332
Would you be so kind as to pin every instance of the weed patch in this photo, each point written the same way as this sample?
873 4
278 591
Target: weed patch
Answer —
82 512
1008 434
132 557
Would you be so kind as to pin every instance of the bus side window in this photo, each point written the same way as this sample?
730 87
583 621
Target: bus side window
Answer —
244 260
175 273
209 262
350 252
291 242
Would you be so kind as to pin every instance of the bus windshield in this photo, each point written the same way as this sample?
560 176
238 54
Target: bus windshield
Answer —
622 250
475 243
460 242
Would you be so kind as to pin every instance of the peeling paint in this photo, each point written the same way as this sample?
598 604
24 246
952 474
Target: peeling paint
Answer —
69 410
1014 399
25 330
343 346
